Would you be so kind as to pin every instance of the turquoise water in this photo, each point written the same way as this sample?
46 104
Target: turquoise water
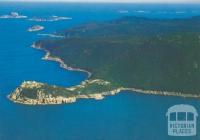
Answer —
126 116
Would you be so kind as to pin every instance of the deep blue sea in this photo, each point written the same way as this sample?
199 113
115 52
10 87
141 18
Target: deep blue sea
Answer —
126 116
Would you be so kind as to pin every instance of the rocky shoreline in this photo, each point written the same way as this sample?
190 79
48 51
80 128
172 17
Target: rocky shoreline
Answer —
48 57
47 99
162 93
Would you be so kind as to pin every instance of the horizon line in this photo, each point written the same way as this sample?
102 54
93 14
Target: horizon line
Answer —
125 2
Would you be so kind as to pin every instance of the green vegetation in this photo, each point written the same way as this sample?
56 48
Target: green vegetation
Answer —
27 90
135 52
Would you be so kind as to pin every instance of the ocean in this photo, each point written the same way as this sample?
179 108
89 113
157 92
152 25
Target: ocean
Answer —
126 116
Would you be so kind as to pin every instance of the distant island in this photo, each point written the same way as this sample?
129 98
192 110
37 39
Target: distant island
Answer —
13 15
150 56
35 28
49 19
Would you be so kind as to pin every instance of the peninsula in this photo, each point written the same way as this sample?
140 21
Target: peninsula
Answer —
150 56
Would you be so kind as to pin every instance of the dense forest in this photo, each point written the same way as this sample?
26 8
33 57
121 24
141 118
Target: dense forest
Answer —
135 52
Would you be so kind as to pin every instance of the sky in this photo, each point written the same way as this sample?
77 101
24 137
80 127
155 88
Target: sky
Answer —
133 1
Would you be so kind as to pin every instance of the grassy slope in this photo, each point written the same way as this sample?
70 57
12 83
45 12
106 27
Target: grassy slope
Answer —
136 52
